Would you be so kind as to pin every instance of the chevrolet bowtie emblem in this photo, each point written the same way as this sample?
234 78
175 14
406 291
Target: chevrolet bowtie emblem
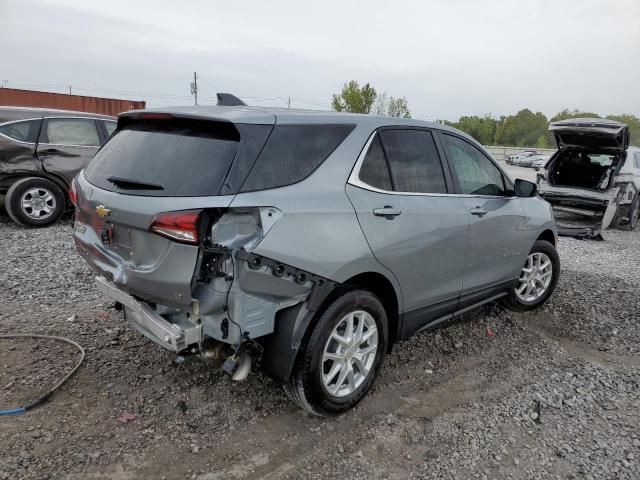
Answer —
103 211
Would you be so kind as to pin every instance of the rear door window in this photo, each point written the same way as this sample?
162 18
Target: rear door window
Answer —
71 131
292 153
25 131
177 157
477 175
110 126
414 161
374 170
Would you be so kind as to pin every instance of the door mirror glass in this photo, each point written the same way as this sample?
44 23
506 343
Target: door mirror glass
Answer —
525 188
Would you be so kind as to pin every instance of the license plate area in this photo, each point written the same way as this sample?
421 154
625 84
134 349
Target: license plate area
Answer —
120 236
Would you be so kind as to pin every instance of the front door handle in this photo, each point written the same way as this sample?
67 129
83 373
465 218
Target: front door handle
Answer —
388 212
479 211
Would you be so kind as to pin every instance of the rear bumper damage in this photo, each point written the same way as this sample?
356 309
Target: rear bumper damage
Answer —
581 213
232 308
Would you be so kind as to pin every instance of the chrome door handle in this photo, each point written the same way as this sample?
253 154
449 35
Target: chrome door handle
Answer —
479 211
388 212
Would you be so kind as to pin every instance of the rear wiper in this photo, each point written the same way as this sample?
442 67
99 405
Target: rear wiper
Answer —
130 184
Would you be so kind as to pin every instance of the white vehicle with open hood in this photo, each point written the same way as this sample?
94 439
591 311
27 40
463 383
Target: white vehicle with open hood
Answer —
593 180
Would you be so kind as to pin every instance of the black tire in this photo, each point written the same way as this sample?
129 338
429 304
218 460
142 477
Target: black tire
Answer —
634 214
306 387
515 303
16 193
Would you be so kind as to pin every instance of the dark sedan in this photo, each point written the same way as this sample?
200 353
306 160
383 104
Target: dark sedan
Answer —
40 153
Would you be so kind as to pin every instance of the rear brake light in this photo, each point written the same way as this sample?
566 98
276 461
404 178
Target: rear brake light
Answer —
155 116
182 226
73 193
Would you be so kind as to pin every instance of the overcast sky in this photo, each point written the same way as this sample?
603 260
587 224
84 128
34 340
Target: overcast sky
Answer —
448 57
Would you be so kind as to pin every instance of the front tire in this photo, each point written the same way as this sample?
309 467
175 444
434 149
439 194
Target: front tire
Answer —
35 202
340 359
538 278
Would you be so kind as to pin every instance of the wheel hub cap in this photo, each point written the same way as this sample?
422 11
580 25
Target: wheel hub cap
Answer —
38 203
349 353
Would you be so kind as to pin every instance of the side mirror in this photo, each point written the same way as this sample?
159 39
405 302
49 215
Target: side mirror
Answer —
525 188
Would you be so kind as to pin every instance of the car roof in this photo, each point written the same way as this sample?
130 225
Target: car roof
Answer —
9 114
271 115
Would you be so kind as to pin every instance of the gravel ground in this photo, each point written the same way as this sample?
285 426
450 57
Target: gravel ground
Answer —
549 394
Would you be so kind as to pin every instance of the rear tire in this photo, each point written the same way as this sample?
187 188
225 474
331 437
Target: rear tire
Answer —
333 372
35 202
537 281
634 214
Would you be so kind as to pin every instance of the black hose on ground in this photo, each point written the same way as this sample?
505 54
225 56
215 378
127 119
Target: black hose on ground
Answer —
43 398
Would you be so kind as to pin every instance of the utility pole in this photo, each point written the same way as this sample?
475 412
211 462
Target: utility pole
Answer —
69 89
289 102
4 83
194 87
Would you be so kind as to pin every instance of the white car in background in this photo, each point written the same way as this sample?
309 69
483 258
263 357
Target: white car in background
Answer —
539 161
593 180
521 157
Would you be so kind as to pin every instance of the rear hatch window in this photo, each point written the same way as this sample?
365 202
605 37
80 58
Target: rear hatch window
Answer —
182 157
168 158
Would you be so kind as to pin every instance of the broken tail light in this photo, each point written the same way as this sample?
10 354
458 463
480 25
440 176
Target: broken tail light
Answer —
181 226
73 193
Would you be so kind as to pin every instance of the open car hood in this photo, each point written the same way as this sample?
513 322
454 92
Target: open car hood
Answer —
594 133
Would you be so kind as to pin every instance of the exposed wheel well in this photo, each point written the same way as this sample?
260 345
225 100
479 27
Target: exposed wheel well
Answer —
548 236
380 286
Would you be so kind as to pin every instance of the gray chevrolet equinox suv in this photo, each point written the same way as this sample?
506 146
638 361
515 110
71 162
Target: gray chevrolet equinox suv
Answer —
308 242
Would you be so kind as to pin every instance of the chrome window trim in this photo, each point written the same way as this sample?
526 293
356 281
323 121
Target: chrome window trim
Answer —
52 144
354 180
18 121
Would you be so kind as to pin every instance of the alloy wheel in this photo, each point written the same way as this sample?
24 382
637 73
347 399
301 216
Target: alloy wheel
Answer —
349 353
535 277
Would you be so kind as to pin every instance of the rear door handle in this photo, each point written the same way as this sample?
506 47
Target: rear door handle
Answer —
388 212
479 211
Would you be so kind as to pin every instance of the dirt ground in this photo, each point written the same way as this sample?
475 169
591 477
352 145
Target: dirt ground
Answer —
550 394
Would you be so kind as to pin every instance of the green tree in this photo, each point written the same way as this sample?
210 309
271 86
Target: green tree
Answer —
398 107
365 99
483 129
634 126
524 129
566 113
354 99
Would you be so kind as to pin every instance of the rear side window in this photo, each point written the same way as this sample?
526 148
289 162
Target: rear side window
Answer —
374 170
414 161
71 131
110 126
26 131
177 157
292 153
477 175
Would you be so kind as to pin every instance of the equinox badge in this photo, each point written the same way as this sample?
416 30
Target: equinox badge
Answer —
103 211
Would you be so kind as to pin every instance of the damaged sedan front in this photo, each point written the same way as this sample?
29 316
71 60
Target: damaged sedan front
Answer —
593 180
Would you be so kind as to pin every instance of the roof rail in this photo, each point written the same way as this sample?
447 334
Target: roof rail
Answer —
229 100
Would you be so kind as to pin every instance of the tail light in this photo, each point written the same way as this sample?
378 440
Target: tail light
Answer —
73 193
182 226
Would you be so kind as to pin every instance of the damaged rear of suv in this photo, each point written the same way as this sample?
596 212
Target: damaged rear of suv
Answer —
593 180
309 242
